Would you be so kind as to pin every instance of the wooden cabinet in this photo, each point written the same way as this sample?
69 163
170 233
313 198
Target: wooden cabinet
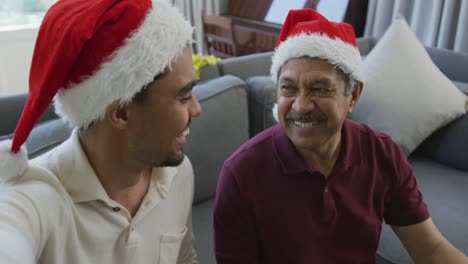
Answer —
243 29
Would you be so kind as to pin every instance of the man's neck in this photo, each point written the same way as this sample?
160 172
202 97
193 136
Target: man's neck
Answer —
325 157
125 182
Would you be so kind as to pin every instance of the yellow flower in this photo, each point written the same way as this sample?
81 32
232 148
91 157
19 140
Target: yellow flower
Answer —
200 61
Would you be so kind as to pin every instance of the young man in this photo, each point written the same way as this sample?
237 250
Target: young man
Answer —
316 187
119 190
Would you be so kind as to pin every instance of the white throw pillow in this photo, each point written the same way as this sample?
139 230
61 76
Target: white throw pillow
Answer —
405 95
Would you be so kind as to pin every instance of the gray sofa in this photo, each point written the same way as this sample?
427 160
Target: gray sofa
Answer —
237 96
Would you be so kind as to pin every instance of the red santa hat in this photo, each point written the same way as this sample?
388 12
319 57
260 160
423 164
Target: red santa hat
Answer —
89 54
307 33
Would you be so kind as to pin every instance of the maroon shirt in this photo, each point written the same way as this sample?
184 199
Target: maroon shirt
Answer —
271 207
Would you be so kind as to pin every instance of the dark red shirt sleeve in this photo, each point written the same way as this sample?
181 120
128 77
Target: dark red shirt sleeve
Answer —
234 223
405 205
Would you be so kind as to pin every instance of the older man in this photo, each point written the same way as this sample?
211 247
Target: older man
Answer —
119 190
316 187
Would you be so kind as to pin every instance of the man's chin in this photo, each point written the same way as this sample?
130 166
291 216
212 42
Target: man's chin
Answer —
305 142
173 161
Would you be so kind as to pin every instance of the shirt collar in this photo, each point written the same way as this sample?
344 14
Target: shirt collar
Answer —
162 178
292 162
80 180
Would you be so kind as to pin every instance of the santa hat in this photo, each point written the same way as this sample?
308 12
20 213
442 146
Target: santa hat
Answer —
89 54
307 33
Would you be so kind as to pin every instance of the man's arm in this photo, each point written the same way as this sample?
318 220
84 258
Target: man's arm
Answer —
234 224
408 215
19 227
426 244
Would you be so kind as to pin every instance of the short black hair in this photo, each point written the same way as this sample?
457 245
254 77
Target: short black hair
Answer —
141 95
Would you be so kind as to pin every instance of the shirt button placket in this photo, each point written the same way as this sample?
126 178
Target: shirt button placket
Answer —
132 235
327 208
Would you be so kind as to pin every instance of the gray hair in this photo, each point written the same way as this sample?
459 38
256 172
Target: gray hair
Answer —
350 82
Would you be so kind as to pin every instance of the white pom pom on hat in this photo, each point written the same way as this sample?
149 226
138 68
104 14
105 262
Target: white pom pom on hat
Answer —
12 164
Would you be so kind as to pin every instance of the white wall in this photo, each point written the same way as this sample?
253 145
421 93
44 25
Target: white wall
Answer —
16 48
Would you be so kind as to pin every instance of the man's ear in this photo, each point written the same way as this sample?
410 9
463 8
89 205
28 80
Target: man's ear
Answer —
355 95
117 114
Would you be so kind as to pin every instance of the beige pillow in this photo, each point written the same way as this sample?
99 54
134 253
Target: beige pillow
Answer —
405 95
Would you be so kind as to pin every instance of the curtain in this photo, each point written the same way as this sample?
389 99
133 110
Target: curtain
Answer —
437 23
192 10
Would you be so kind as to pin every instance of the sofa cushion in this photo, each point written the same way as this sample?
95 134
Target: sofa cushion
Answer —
463 86
45 136
247 66
262 96
221 128
444 190
11 107
209 72
202 222
450 63
405 95
449 145
365 45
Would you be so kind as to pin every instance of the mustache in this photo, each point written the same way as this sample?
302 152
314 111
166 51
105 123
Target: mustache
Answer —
311 116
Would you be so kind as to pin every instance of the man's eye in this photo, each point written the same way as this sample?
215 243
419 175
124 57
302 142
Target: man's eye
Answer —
287 88
321 91
185 99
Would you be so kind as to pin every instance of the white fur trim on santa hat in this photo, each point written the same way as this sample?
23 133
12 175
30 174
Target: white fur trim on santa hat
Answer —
150 50
11 164
336 51
275 112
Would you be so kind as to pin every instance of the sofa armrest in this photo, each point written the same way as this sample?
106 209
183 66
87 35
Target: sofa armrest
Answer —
262 96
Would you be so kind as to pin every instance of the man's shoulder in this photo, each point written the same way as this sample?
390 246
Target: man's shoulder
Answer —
37 185
40 179
364 132
364 137
257 145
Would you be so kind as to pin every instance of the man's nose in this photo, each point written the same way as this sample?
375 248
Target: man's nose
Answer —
303 104
195 108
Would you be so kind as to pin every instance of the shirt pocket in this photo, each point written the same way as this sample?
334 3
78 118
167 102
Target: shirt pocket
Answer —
170 247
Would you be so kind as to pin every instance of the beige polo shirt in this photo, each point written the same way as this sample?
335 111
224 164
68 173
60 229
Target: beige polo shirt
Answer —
58 212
